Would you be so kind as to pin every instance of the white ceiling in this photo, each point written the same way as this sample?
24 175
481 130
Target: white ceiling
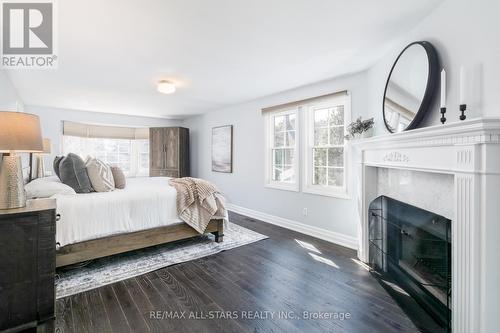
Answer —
219 52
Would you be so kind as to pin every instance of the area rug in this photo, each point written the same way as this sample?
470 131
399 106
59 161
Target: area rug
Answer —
119 267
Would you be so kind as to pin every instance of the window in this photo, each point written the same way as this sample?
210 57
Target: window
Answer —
124 147
282 149
132 156
112 151
326 154
143 147
321 166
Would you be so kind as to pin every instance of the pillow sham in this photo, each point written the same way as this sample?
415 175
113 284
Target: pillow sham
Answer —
46 187
119 177
57 161
100 174
73 173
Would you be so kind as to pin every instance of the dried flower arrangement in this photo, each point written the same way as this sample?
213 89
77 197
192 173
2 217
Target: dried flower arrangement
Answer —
359 127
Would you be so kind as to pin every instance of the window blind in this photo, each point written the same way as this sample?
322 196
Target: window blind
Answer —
304 101
104 132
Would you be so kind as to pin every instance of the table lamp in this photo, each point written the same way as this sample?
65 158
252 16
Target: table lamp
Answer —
19 133
40 164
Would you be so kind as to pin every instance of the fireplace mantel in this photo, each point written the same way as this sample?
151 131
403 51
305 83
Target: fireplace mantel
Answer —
469 131
470 151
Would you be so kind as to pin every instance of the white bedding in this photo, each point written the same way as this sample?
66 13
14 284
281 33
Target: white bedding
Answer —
145 203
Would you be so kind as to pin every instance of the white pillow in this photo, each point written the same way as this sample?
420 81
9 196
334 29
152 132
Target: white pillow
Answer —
46 187
100 175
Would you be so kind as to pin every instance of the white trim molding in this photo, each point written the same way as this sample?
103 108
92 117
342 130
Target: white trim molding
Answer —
327 235
470 151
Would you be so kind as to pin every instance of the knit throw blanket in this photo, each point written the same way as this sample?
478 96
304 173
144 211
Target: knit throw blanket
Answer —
198 201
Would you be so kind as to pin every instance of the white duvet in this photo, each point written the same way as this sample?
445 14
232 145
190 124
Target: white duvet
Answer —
145 203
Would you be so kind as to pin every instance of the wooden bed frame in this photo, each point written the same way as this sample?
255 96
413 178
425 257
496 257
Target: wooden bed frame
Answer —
103 247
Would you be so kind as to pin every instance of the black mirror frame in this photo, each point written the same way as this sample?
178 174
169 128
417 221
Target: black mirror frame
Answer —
430 90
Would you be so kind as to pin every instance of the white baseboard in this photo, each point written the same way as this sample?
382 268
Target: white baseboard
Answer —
327 235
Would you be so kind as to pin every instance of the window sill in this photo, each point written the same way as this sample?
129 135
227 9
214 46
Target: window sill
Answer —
283 187
327 193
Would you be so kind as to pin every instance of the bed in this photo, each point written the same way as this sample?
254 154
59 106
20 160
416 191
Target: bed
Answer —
100 224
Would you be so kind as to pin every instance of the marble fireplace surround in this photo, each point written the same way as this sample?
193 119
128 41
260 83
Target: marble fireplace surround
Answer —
469 151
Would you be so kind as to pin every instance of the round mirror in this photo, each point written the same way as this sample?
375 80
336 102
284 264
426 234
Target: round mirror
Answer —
410 88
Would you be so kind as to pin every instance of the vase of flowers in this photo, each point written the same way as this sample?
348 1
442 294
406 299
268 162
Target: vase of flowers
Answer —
360 129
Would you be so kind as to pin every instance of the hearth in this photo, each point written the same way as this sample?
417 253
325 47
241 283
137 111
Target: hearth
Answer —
410 248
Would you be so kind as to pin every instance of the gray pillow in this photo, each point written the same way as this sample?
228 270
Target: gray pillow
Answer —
73 173
57 161
119 177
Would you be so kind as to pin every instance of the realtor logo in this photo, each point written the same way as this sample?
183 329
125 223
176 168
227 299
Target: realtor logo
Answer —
28 35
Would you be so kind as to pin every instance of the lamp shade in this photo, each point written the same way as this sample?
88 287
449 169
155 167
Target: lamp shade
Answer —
20 132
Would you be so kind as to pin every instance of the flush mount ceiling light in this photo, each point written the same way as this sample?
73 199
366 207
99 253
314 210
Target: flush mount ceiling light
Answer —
166 87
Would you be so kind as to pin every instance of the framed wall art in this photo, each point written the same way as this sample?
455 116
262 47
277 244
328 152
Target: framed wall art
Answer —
222 149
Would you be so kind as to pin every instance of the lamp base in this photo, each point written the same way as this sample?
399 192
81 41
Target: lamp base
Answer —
40 166
12 194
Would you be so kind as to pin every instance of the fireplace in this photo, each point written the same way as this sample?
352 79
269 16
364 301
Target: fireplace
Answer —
411 248
469 152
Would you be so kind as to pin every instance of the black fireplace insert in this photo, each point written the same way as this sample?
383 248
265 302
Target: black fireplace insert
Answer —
410 248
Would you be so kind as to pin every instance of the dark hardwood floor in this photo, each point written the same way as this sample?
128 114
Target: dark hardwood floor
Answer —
261 287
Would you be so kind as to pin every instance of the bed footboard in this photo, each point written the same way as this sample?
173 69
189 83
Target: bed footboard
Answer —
103 247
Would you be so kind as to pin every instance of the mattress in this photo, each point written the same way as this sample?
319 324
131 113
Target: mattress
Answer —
144 203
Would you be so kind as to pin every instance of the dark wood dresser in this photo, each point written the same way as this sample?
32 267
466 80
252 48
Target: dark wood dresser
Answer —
169 152
27 267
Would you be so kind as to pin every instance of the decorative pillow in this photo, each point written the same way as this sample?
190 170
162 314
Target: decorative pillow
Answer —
119 177
56 163
73 173
46 187
100 175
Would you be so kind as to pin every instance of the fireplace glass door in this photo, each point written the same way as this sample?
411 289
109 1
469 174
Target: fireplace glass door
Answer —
412 247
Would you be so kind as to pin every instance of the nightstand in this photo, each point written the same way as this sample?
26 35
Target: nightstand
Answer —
27 266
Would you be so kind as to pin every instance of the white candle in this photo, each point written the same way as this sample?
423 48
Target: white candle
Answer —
462 85
443 88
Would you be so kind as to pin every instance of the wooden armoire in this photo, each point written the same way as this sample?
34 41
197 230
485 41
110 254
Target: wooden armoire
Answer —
169 152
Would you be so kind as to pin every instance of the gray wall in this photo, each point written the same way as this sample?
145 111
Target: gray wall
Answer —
464 33
9 98
51 118
51 122
245 186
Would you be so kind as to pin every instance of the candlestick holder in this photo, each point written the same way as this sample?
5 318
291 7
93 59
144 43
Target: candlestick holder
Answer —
443 119
463 107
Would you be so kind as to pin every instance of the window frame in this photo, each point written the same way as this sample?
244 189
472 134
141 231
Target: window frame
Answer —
135 168
308 145
269 146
